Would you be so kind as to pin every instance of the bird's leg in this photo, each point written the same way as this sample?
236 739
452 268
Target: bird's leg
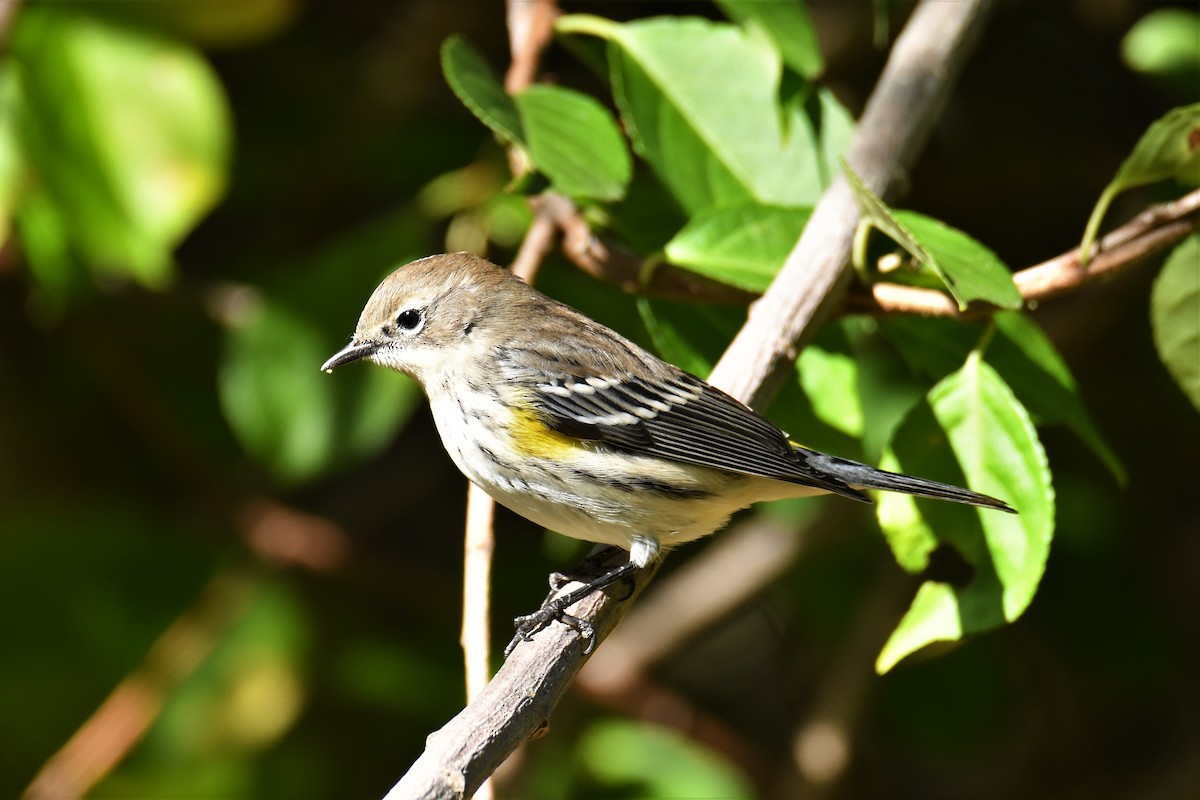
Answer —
554 608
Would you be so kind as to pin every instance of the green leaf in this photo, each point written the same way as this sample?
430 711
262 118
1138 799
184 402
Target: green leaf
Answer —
1175 316
575 141
876 214
967 269
675 81
289 415
1163 45
972 270
823 407
1170 148
472 81
788 27
829 377
1028 361
741 245
1023 356
128 135
971 430
657 763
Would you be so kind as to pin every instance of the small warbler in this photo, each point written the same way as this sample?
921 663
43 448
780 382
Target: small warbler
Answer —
580 430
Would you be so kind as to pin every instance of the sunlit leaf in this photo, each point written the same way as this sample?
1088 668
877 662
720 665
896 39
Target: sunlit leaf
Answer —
1023 356
575 142
1175 315
675 79
823 407
474 84
971 431
787 25
964 267
741 245
127 133
973 270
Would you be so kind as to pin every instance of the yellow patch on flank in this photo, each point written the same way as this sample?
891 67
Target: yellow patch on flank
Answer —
533 438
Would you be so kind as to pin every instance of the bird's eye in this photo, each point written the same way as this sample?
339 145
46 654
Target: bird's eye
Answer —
409 319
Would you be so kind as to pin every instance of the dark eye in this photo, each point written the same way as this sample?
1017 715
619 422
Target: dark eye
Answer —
408 319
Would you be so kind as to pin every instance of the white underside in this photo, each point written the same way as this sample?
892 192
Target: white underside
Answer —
640 521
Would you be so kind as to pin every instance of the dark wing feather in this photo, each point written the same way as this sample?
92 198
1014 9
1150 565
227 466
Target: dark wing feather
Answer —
679 417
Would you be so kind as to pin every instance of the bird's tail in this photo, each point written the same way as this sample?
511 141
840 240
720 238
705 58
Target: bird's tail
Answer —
861 476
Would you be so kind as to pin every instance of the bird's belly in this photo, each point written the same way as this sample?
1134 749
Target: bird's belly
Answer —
587 491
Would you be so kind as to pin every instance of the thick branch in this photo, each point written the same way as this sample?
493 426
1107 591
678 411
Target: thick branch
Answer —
515 706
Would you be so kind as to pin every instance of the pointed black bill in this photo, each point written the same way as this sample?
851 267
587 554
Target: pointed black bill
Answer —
355 351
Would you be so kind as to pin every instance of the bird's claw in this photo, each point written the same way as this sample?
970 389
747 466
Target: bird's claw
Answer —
529 624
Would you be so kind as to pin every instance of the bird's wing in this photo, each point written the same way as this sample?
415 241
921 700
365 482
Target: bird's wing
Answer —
678 417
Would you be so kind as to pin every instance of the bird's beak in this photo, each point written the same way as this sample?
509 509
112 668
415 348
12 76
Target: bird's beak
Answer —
355 351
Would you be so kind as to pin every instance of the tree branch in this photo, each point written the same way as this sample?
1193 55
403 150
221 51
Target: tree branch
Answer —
517 703
8 12
1151 232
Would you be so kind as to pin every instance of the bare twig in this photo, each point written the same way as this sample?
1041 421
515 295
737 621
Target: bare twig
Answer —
8 12
518 701
1156 229
536 245
477 587
514 707
530 30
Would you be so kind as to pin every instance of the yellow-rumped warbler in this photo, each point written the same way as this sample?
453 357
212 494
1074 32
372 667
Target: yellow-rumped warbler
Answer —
575 427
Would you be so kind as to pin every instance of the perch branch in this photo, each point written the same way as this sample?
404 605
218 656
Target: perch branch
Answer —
517 703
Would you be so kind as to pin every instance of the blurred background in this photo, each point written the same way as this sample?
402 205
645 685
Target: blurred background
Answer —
226 575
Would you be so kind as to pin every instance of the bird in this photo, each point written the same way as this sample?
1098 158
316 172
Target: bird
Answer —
570 424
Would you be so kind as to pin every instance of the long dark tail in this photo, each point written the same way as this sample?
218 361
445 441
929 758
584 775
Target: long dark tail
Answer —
860 476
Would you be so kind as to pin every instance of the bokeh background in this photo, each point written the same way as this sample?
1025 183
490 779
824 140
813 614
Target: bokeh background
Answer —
197 601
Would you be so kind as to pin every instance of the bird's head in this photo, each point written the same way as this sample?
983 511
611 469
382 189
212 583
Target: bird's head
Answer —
424 311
